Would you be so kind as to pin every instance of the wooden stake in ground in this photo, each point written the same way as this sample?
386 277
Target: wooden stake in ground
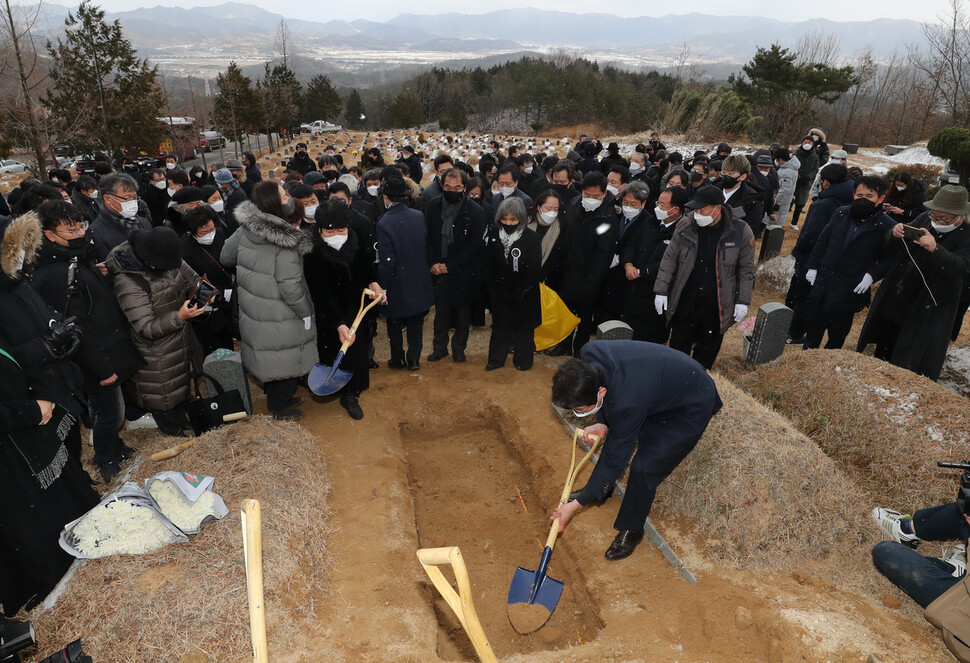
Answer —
461 601
253 545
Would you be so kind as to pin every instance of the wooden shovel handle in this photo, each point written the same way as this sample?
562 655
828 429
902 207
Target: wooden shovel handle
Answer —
253 546
570 480
361 312
172 452
461 601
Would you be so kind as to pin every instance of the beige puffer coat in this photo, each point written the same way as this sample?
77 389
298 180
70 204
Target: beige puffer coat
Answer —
150 301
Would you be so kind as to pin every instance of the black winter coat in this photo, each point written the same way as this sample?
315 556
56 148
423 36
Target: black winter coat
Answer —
818 216
464 260
109 230
748 204
513 282
157 201
336 281
204 260
414 165
841 266
302 166
925 333
106 345
646 248
809 165
591 239
87 206
402 251
910 201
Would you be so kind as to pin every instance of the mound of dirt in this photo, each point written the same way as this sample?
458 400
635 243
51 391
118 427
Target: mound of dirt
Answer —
883 425
190 599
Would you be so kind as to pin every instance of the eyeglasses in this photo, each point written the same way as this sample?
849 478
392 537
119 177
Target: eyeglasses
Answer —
75 230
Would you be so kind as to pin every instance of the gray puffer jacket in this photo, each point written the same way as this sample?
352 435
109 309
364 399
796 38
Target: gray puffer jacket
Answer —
151 301
267 253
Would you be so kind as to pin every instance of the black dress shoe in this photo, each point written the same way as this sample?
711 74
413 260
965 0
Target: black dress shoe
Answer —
458 357
373 365
493 365
397 364
414 366
127 452
296 401
624 544
523 367
349 402
437 356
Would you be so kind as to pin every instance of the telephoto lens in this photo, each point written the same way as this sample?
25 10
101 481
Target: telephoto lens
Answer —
73 653
15 636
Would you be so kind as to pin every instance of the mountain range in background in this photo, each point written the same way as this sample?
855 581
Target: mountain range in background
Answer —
202 40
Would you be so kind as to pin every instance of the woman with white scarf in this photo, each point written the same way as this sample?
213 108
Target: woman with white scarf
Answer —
513 261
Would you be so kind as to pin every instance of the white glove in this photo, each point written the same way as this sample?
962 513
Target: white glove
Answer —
740 310
306 323
863 285
660 303
810 276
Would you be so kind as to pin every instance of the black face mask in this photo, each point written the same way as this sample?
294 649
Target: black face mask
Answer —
452 196
863 208
728 181
331 174
76 243
301 154
561 189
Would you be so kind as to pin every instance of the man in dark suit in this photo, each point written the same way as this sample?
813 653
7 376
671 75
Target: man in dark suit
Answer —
646 396
402 265
456 242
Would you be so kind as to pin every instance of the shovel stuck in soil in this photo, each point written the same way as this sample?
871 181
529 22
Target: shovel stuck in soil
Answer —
533 595
327 380
461 601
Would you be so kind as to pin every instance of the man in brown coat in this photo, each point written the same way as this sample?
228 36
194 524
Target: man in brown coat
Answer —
706 276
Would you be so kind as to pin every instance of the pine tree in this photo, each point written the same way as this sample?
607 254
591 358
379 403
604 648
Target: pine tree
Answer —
102 95
280 93
406 111
321 101
354 110
237 109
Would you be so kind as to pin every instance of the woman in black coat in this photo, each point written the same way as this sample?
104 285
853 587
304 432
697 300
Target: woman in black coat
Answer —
548 219
201 249
513 264
905 199
337 271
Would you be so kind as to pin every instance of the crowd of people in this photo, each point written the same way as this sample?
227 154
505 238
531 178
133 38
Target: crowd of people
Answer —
101 321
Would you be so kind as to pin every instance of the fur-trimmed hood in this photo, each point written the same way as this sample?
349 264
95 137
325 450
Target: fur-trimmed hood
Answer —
21 234
272 229
817 132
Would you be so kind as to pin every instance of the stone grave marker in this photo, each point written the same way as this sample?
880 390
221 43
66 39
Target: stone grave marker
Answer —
614 330
225 366
771 242
770 332
892 150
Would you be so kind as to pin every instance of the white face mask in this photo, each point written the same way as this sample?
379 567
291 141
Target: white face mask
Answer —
129 209
372 190
171 191
942 228
599 405
630 212
336 241
170 166
310 211
160 184
900 187
93 194
547 218
806 147
660 214
528 170
612 189
635 168
591 204
506 191
206 239
218 206
703 220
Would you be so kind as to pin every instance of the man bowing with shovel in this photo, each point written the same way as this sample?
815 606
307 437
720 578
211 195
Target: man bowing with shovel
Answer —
648 396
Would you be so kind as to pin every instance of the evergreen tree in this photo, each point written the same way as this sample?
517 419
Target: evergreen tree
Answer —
354 110
953 143
406 110
321 101
237 109
102 95
280 92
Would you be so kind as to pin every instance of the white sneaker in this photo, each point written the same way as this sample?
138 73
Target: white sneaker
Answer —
145 421
794 227
958 558
889 521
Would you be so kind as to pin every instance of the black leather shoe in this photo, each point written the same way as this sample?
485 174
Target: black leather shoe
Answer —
296 401
414 366
373 365
397 364
127 452
624 544
459 357
437 356
492 366
349 402
522 368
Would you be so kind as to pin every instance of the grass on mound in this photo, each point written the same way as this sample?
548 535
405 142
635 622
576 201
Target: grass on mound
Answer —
189 602
765 497
883 425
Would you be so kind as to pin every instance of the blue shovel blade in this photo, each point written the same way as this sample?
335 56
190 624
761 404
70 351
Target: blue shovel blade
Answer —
535 587
325 380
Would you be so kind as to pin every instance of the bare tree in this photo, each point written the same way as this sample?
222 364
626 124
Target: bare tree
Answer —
946 61
21 63
283 42
818 47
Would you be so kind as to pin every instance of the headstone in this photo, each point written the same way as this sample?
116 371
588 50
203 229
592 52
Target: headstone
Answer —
771 242
614 330
769 335
851 148
225 366
895 149
272 173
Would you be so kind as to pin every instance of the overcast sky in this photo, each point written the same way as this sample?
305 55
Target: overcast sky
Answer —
786 10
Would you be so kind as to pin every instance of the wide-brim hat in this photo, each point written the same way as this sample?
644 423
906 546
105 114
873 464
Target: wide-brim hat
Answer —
158 248
394 187
951 199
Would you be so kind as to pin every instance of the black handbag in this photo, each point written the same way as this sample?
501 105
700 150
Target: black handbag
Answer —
208 413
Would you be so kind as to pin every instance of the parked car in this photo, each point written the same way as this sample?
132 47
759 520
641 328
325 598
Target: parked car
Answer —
8 166
211 140
320 127
950 175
